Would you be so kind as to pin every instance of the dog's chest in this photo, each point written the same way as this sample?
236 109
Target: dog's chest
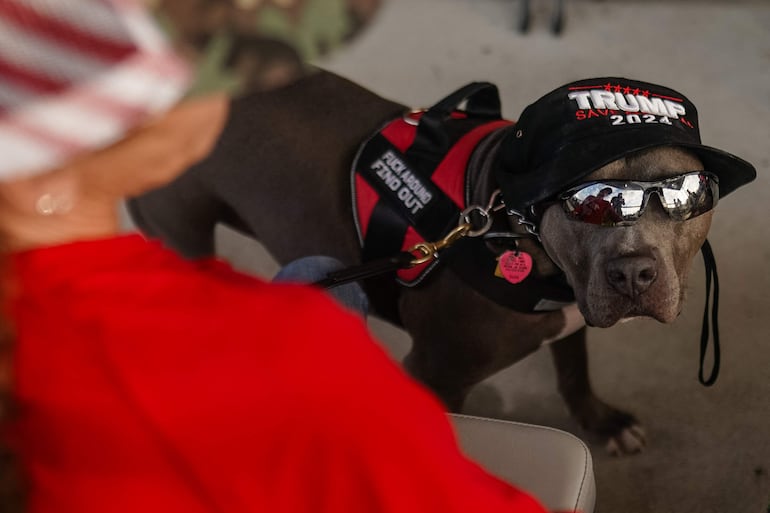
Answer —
573 321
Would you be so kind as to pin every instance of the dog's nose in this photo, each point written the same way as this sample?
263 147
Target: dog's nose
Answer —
633 275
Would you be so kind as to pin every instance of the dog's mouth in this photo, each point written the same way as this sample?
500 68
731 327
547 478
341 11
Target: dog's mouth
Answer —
611 309
607 321
624 320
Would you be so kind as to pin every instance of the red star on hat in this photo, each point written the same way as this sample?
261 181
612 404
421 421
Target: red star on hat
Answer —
608 87
617 88
627 90
646 94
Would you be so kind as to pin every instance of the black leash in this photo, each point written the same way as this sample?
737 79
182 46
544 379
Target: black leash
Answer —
711 272
403 260
420 253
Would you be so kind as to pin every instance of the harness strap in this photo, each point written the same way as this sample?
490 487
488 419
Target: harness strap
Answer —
711 272
431 142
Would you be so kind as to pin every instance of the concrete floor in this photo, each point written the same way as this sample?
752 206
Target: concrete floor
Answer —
709 449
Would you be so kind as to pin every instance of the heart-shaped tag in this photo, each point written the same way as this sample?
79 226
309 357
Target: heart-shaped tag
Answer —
514 266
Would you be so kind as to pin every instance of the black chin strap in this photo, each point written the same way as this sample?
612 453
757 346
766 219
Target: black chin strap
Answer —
711 271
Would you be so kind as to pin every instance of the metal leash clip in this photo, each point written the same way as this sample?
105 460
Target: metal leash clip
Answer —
427 251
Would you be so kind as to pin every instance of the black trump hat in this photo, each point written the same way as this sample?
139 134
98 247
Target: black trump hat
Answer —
584 125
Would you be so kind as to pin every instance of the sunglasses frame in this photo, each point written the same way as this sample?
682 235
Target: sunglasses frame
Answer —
648 188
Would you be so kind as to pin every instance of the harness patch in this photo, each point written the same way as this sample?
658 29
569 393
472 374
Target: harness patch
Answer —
403 182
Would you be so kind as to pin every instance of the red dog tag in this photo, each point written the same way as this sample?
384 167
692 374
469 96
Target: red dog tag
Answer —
514 266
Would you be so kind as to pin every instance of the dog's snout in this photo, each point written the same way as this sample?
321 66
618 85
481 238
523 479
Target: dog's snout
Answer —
633 275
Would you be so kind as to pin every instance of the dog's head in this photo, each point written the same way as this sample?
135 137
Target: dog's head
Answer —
632 270
643 139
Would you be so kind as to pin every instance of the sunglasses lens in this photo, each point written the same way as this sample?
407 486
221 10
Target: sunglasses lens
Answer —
689 196
613 203
604 204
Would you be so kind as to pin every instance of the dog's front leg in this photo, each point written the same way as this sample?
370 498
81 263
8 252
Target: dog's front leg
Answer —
622 431
460 338
449 385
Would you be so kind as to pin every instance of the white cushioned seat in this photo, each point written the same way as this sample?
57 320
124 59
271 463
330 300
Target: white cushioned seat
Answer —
554 466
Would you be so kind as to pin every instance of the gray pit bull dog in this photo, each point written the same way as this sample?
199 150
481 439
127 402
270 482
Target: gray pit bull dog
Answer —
609 171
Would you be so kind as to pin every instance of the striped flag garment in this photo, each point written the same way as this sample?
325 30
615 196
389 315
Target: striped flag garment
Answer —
77 75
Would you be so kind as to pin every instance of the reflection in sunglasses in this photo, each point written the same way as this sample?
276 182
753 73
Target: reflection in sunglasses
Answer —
614 202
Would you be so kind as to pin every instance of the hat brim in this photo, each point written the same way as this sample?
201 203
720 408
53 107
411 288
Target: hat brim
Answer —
731 170
575 161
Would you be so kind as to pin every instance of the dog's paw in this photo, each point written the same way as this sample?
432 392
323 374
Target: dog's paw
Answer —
630 440
621 431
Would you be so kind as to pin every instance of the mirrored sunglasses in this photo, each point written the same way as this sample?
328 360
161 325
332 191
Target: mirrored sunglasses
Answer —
619 202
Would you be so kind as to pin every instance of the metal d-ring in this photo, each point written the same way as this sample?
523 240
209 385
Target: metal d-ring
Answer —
466 218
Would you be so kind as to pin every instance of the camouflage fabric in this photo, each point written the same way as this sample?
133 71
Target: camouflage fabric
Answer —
258 44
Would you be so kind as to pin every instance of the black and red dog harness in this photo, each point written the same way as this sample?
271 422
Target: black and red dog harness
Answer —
411 183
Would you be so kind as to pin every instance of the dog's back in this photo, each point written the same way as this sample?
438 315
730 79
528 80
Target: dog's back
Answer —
281 163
